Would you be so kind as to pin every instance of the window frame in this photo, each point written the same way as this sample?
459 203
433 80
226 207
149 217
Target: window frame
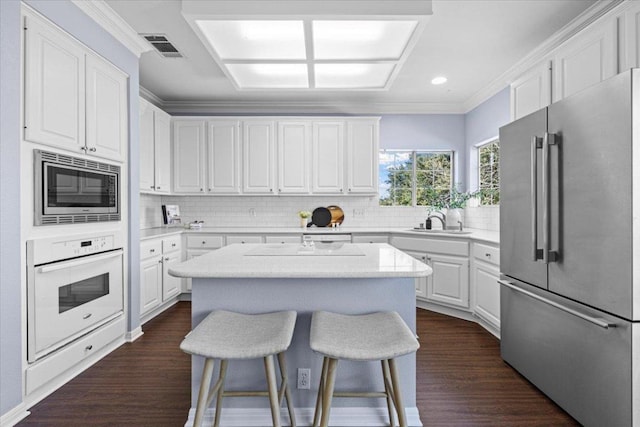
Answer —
478 154
414 153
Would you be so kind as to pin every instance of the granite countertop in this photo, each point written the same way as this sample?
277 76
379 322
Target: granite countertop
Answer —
348 260
486 236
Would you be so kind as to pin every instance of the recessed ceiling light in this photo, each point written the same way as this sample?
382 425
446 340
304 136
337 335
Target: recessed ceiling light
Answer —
439 80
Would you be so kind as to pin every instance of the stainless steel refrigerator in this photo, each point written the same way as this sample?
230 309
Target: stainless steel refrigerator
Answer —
570 251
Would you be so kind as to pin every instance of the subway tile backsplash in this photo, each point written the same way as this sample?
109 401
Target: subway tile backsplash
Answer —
281 211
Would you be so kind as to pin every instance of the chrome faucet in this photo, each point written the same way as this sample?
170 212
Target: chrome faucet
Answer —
443 220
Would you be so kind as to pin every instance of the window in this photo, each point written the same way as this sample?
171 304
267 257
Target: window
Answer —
488 173
414 178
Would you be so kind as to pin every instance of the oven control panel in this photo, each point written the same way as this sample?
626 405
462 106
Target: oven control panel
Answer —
75 248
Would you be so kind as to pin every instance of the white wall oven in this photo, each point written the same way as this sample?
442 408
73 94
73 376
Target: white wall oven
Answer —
74 285
74 190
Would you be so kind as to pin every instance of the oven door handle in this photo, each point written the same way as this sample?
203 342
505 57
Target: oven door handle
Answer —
78 262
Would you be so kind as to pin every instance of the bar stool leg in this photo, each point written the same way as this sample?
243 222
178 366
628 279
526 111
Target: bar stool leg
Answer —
328 391
220 384
203 394
273 390
386 378
285 383
402 419
323 376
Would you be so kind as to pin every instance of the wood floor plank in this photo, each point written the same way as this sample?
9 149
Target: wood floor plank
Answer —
461 381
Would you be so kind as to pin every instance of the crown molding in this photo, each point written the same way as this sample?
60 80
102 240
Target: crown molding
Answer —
307 107
546 48
151 97
108 19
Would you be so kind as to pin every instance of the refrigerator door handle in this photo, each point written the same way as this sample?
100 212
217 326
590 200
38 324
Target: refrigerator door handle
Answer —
536 143
603 323
547 255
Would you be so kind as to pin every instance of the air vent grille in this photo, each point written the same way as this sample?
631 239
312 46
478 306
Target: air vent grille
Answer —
162 45
77 219
78 162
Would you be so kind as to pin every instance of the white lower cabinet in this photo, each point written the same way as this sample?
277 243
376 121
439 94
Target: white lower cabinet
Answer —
449 282
485 273
421 282
156 285
369 238
283 239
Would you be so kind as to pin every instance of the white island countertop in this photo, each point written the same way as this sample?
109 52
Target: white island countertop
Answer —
348 260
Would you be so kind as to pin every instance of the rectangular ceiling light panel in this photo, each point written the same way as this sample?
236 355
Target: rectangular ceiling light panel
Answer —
269 76
361 40
255 40
353 76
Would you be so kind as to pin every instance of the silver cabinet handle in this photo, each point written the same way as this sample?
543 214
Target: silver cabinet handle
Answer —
86 316
536 143
595 320
89 348
488 255
166 259
157 188
83 149
547 255
92 149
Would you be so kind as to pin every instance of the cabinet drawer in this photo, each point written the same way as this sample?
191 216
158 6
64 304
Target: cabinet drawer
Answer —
205 242
442 246
243 239
283 239
73 354
171 244
369 239
490 254
149 248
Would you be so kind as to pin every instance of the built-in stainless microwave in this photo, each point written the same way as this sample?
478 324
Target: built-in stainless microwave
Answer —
72 190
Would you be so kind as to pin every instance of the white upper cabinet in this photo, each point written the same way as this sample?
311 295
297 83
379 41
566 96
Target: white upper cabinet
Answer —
146 143
54 87
630 31
258 154
362 156
223 157
106 109
162 151
189 156
73 98
155 149
328 157
586 59
532 91
294 140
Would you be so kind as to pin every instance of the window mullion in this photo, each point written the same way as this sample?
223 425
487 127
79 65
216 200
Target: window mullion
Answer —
414 184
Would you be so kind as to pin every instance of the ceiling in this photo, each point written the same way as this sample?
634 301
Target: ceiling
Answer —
471 42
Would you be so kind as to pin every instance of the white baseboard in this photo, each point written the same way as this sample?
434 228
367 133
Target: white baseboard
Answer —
131 336
14 416
340 417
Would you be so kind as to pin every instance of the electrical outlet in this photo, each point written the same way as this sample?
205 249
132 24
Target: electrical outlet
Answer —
358 213
304 378
252 212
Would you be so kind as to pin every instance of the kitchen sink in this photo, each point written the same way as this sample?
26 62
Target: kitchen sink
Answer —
425 231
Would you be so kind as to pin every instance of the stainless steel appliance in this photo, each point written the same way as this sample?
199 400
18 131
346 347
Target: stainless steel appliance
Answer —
570 251
74 285
72 190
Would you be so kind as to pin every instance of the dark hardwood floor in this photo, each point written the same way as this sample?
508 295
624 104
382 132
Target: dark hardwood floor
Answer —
461 381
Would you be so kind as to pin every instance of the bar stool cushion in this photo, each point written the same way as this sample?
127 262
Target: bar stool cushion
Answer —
375 336
228 335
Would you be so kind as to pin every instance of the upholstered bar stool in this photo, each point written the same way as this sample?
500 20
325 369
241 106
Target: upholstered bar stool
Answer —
225 335
378 336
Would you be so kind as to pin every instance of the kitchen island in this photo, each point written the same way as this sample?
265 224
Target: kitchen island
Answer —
343 278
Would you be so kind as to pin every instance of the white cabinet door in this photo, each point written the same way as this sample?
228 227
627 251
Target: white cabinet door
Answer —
150 284
54 102
171 285
421 282
328 157
162 151
449 282
487 292
586 59
294 139
362 156
146 146
532 91
631 27
188 157
223 157
106 109
258 157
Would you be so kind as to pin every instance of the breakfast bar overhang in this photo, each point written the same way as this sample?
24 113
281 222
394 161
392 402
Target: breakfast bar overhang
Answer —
339 277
